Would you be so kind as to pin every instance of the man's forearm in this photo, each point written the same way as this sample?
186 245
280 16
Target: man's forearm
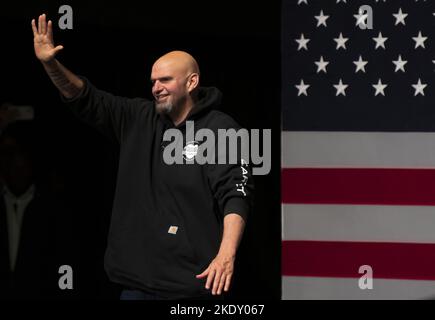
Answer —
65 81
233 231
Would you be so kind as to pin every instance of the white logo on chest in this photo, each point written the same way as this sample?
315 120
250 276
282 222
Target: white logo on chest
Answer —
190 150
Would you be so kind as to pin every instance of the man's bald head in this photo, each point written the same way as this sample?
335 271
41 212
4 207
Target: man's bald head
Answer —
180 61
175 79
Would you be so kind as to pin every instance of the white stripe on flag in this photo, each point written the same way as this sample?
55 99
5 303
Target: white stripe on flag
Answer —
358 149
297 288
363 223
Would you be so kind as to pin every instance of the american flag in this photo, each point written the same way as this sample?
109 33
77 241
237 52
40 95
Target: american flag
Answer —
358 149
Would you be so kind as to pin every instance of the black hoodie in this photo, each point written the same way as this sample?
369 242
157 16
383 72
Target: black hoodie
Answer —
167 220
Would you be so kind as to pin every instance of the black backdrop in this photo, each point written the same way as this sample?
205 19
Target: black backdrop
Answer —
237 45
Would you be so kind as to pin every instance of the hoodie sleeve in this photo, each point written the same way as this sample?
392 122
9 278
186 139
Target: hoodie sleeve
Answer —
106 112
231 184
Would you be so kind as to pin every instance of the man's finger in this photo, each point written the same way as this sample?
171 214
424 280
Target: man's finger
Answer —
43 25
221 284
216 282
210 278
50 30
39 24
227 282
35 31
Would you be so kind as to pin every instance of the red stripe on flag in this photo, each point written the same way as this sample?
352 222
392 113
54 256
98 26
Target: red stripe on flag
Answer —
413 261
358 186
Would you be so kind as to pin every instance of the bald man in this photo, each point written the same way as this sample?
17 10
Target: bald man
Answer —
175 78
175 229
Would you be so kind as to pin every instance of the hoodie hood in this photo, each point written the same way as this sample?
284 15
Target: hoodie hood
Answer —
208 98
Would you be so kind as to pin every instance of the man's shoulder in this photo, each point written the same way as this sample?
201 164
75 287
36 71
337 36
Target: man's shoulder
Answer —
217 119
140 102
140 105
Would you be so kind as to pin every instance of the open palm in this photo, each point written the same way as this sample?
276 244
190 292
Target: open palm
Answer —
43 40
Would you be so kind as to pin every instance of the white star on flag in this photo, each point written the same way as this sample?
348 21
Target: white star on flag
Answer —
379 88
360 65
380 41
400 17
302 87
341 88
361 18
321 19
419 40
341 42
400 64
321 65
419 87
302 42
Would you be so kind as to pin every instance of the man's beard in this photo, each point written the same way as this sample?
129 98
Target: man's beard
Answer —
170 106
164 107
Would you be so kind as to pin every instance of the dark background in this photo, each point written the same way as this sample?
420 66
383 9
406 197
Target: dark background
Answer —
237 45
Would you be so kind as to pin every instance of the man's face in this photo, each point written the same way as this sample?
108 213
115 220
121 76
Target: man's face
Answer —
169 86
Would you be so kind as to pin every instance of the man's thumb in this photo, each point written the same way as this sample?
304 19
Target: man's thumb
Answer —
58 48
202 275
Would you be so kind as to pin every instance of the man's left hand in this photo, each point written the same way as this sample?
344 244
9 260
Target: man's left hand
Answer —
219 273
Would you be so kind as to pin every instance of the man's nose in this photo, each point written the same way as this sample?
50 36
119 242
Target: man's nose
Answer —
157 87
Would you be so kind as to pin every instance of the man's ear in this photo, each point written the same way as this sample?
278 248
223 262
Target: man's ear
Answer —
193 82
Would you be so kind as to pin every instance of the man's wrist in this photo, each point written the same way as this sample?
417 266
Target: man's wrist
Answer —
228 253
50 64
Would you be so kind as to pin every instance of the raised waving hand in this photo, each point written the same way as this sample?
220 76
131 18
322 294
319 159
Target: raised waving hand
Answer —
43 39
